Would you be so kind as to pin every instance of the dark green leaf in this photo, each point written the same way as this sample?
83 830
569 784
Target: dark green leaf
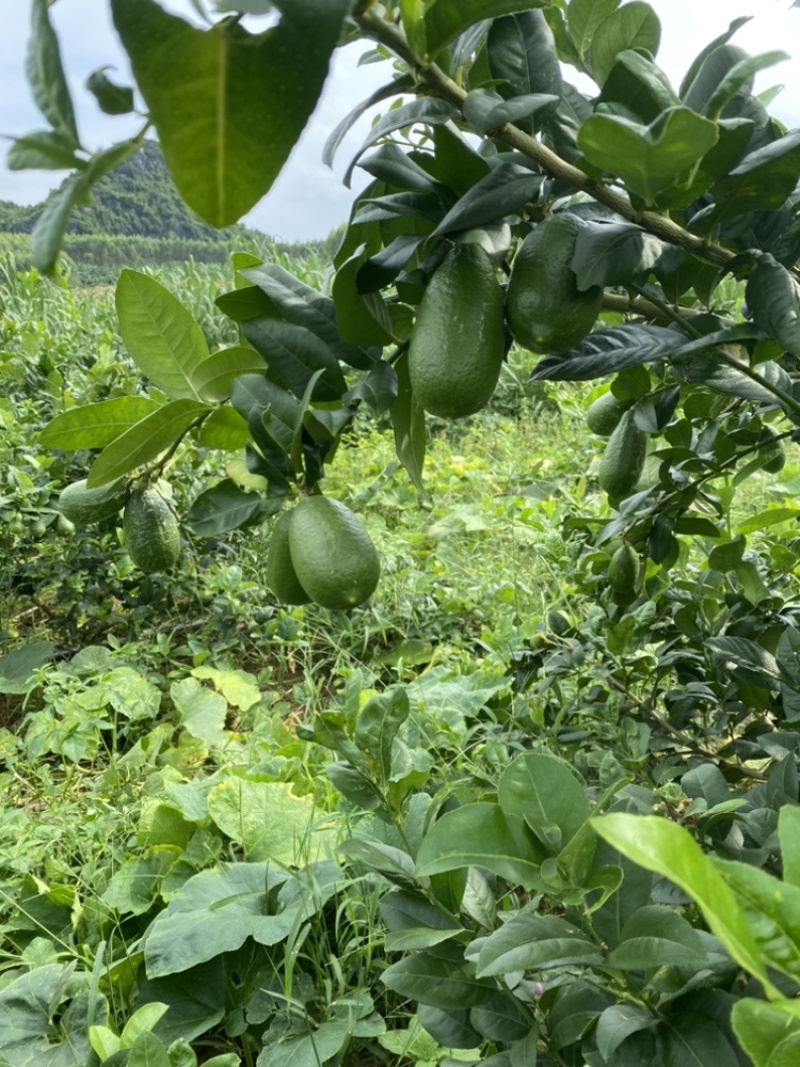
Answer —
535 942
584 17
379 389
521 51
502 192
408 422
639 85
634 25
500 1019
43 150
773 297
656 937
381 270
144 441
747 660
425 111
207 90
614 253
46 77
396 167
691 1040
608 351
226 507
647 158
18 668
362 319
95 425
618 1022
249 302
761 182
740 75
710 69
444 20
399 205
485 109
394 88
428 979
718 42
450 1027
457 164
296 354
113 99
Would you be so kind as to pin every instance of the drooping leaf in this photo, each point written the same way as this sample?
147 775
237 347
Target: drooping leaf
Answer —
408 422
95 425
634 25
608 351
144 441
394 88
161 336
379 389
773 298
208 89
427 110
695 1041
226 507
614 253
43 150
647 158
45 74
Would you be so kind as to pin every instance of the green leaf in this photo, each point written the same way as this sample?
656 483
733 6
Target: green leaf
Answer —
669 850
789 836
615 253
43 150
202 712
639 85
608 351
296 355
618 1022
408 422
48 233
769 1033
393 88
379 389
362 319
46 76
485 109
506 189
196 999
772 910
692 1040
270 821
217 910
18 668
214 376
762 181
773 298
310 1050
207 90
584 17
161 336
656 937
134 886
444 20
481 835
226 507
647 158
377 725
739 75
634 25
437 981
144 441
113 99
224 429
425 111
95 425
148 1051
522 56
712 46
535 943
27 1004
746 659
545 792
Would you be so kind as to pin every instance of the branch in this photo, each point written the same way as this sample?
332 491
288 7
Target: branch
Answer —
432 76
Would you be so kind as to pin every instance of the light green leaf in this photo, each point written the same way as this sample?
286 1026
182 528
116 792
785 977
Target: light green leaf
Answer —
270 821
208 90
163 339
239 688
311 1050
144 441
46 76
95 425
789 836
481 835
584 18
769 1033
148 1051
142 1021
634 25
43 150
545 792
224 429
213 377
202 711
669 850
647 158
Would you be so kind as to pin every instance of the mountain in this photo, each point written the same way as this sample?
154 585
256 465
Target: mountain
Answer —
137 199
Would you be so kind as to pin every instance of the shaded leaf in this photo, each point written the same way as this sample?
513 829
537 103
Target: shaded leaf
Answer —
226 507
608 351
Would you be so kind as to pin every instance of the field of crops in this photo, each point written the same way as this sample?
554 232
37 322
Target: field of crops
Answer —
236 832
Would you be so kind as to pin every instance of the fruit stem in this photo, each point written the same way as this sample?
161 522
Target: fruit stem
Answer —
443 86
158 467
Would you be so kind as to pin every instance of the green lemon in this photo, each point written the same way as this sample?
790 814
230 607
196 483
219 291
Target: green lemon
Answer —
457 343
546 310
333 556
603 414
83 506
151 531
623 460
281 576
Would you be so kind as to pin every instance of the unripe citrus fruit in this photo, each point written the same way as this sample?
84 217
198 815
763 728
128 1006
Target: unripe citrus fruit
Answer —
151 531
83 506
623 570
281 576
603 415
333 556
456 348
546 310
623 459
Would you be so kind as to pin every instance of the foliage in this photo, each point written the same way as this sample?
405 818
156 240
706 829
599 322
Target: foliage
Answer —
538 801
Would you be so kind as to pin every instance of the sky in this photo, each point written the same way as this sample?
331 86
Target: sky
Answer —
309 199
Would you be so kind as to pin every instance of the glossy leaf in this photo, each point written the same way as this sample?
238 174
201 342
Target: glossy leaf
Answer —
773 298
208 89
486 110
95 425
481 835
362 319
214 376
545 792
226 507
502 192
521 51
529 942
712 46
379 389
617 1023
444 20
669 850
429 979
393 88
584 18
426 111
45 74
161 336
769 1033
607 352
761 181
634 25
656 937
647 158
739 75
144 441
614 253
224 429
296 354
639 85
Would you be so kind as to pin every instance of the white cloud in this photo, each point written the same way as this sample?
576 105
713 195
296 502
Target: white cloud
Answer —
308 200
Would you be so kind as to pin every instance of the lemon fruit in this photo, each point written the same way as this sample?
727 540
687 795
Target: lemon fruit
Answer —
151 531
623 569
457 343
546 310
82 506
281 576
603 414
333 556
623 460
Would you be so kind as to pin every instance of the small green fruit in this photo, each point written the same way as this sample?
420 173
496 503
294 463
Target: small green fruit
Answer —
772 452
333 556
457 345
281 576
83 506
623 570
623 460
603 414
151 532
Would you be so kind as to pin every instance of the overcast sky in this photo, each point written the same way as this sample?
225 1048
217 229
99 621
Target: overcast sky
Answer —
308 200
